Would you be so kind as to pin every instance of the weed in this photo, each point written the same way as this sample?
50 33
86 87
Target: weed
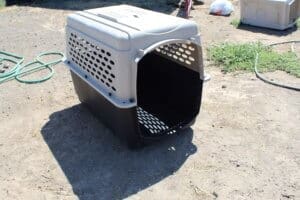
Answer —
236 23
234 57
298 23
2 3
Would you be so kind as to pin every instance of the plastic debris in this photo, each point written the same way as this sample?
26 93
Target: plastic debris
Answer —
221 7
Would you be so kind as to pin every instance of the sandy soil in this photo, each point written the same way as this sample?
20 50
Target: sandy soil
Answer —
245 143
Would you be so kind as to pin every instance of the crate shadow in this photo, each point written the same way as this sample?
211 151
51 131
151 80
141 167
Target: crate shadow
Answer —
158 5
99 166
267 31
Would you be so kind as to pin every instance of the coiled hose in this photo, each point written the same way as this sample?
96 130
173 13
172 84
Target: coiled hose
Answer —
261 77
18 71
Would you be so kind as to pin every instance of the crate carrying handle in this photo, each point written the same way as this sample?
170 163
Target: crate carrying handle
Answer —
159 34
116 21
82 13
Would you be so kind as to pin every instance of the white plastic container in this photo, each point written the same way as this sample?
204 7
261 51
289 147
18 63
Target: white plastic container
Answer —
139 70
275 14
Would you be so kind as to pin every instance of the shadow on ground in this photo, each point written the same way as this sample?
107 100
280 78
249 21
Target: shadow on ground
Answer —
166 6
267 31
99 166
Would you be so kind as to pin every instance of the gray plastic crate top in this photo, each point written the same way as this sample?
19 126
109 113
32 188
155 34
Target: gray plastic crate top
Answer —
104 46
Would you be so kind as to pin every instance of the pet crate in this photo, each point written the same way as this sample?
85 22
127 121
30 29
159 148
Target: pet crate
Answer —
140 71
276 14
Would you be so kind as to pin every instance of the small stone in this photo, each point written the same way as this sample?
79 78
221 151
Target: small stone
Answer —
224 86
287 196
215 194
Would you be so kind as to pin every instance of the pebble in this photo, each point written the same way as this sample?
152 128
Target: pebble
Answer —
215 194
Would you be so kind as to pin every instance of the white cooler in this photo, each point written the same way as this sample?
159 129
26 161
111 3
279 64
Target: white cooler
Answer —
275 14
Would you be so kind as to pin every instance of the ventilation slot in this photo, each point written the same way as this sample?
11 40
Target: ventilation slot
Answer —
154 125
182 53
93 59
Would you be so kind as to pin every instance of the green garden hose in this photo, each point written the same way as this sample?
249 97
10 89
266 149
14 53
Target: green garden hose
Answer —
260 76
18 60
19 70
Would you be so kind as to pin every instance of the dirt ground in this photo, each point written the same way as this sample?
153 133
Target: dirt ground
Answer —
245 143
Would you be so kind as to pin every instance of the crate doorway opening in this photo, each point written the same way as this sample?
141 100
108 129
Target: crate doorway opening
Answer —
169 89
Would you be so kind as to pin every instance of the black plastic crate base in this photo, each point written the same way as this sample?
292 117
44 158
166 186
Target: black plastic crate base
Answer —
135 126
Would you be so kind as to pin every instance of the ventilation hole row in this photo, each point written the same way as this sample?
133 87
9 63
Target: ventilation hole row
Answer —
91 53
90 50
78 39
87 61
104 76
180 52
171 132
93 59
152 123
